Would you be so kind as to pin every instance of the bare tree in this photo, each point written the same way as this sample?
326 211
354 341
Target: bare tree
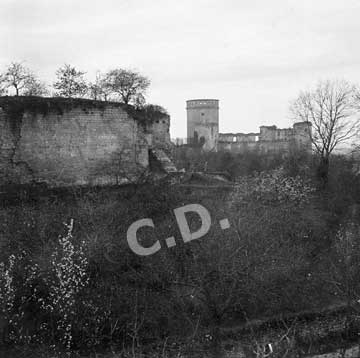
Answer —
130 86
18 77
35 87
99 90
70 82
331 111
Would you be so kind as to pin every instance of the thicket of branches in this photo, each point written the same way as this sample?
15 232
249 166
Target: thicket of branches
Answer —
331 109
119 84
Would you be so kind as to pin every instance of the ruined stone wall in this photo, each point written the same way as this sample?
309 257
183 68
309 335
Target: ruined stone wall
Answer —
160 131
238 147
302 134
238 137
270 139
70 145
279 146
272 133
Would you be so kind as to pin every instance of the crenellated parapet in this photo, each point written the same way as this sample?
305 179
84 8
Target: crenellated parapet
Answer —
202 103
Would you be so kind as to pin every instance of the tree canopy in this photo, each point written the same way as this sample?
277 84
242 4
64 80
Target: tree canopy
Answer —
21 80
70 82
129 86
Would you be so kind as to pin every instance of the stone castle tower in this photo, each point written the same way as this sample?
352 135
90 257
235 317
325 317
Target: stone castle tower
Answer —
203 122
302 135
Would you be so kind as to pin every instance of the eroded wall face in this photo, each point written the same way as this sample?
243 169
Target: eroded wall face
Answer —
160 132
280 146
95 146
206 132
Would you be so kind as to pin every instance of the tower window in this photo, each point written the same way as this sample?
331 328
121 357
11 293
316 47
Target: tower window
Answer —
202 113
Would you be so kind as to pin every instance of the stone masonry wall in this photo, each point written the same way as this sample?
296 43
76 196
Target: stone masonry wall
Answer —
160 131
73 146
270 140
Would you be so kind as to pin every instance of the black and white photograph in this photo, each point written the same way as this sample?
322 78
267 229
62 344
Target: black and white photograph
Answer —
179 179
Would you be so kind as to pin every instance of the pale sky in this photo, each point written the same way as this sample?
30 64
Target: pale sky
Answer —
252 55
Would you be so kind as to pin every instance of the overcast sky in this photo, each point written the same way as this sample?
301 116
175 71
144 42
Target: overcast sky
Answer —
252 55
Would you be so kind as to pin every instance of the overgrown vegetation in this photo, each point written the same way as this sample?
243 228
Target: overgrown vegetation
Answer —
291 247
16 106
119 87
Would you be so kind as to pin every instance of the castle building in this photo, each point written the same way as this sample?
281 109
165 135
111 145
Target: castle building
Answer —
203 130
203 122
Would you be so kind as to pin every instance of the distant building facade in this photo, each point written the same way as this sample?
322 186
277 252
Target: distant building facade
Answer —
203 131
270 139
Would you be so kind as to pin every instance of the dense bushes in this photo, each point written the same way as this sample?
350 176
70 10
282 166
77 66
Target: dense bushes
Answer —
86 288
240 164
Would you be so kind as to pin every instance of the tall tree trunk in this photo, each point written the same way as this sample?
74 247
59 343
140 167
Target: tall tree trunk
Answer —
323 171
